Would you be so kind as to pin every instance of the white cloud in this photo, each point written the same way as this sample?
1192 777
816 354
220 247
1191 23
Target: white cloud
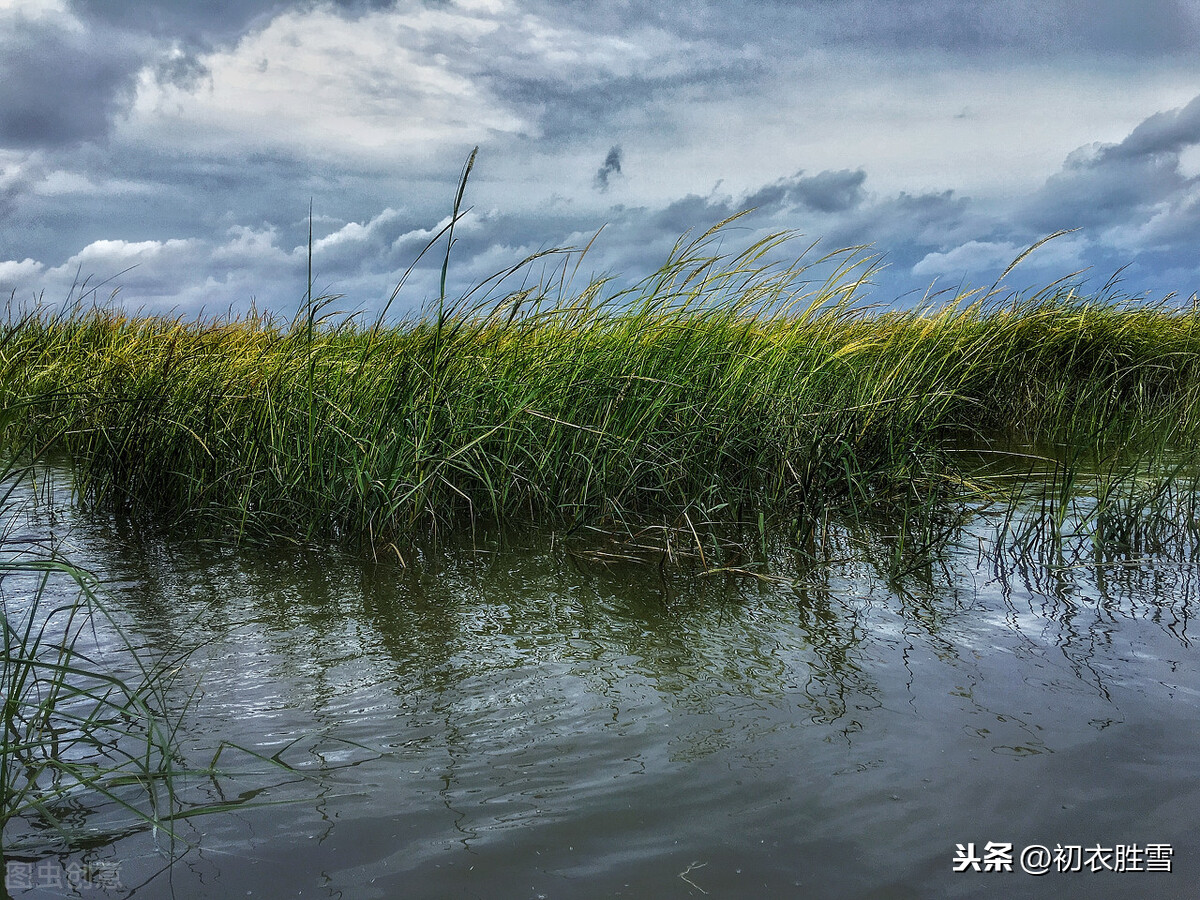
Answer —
1189 161
39 9
971 257
184 276
313 80
249 246
988 258
354 233
150 273
61 181
18 276
116 254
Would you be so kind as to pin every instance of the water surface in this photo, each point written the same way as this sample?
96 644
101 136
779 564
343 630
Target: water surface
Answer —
512 719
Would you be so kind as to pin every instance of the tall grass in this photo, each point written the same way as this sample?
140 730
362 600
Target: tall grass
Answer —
80 728
82 714
721 385
89 719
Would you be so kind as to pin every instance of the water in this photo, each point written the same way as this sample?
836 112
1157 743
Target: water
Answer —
511 720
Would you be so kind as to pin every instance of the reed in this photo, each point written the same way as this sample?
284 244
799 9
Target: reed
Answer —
79 728
723 384
90 718
82 721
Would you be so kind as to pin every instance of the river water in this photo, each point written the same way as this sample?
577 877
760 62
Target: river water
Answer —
526 718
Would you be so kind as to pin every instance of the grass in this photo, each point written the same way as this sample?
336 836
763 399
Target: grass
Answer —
81 717
747 389
89 746
722 385
76 723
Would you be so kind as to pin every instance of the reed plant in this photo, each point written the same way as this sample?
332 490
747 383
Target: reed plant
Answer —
82 728
722 385
82 717
90 717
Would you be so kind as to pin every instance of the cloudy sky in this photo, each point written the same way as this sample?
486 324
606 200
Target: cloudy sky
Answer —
171 149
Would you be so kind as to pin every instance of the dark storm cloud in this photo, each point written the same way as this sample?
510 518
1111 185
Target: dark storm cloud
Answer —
825 192
828 193
62 84
686 214
1165 132
1038 27
1155 26
568 111
201 24
1147 27
611 167
1125 183
215 22
221 225
1096 189
901 228
182 69
921 219
573 108
1134 207
59 86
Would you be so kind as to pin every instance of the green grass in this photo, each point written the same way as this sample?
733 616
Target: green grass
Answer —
82 720
77 724
721 386
89 718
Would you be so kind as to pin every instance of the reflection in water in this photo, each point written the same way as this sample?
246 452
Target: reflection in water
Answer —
501 717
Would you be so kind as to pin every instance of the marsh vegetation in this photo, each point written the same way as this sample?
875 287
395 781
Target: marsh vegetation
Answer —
666 498
719 389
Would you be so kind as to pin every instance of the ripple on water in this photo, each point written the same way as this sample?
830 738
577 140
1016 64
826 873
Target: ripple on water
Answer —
492 724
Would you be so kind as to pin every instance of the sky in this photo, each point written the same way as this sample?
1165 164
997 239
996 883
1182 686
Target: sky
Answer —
163 156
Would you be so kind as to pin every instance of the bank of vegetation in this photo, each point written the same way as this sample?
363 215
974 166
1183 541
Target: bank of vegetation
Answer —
721 386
